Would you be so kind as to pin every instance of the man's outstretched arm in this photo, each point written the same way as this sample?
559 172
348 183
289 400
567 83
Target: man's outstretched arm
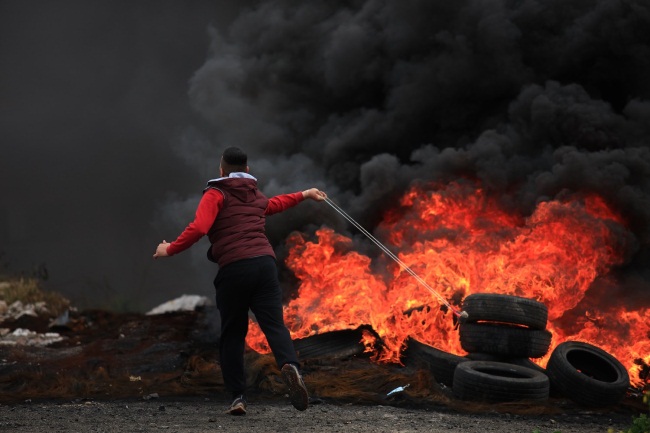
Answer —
206 212
283 202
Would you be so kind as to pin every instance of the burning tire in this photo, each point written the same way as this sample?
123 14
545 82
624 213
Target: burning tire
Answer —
504 340
492 307
587 374
499 382
335 344
441 364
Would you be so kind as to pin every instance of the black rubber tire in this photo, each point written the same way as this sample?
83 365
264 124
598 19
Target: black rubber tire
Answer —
524 362
499 382
494 307
440 363
587 374
504 340
341 344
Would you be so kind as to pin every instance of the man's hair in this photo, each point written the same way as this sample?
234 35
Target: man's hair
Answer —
233 159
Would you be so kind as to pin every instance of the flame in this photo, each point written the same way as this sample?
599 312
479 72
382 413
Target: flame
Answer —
461 241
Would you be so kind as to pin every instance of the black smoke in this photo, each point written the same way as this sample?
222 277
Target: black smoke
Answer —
93 99
534 99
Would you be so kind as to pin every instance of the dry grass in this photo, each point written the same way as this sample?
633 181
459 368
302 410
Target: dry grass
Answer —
29 291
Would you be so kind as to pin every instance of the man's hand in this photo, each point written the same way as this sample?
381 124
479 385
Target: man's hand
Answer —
161 250
314 194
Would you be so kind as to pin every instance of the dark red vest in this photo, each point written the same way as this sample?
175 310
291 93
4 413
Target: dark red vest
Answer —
238 231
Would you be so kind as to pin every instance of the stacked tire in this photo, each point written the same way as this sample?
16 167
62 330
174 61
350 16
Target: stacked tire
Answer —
501 334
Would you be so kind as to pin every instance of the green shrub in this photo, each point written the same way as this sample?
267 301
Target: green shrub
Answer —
640 424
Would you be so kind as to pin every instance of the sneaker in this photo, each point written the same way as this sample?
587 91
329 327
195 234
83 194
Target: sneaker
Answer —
297 389
238 406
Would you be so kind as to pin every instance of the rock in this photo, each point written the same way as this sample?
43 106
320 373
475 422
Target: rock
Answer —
182 303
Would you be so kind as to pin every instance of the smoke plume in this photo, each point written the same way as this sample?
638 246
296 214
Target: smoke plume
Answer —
535 100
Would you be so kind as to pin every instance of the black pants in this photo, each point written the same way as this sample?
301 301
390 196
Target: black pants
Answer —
250 283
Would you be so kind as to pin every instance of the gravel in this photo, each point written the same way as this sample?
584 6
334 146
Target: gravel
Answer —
272 415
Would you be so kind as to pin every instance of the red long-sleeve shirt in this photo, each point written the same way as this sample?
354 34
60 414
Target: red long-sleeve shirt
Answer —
209 208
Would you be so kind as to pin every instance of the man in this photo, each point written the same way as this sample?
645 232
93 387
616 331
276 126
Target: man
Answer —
232 213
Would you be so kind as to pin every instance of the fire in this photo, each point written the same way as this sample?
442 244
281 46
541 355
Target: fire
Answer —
461 241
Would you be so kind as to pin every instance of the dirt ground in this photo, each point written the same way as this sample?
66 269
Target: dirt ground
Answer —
148 374
202 414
